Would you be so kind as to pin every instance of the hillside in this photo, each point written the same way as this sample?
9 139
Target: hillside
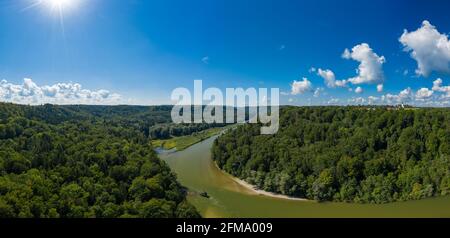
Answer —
351 154
85 161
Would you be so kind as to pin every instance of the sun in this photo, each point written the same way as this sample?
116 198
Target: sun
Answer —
57 8
60 4
54 5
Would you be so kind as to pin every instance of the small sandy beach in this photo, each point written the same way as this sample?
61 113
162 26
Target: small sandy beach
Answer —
265 193
251 188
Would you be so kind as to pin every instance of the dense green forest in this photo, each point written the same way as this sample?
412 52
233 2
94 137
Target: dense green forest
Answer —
351 154
154 122
85 161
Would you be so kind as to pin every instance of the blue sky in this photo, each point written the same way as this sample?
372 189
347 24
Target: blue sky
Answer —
139 50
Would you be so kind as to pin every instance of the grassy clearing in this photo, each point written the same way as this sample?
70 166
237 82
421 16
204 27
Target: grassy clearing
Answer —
183 142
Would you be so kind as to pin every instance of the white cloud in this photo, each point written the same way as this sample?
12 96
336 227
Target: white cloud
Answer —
330 78
318 92
372 99
404 96
62 93
380 88
205 59
389 98
333 101
370 69
437 86
358 100
358 90
423 94
429 48
312 70
300 87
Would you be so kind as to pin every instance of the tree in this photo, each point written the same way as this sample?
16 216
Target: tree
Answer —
157 208
323 186
6 210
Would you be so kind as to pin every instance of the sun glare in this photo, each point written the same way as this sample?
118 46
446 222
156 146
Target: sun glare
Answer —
60 4
54 5
58 7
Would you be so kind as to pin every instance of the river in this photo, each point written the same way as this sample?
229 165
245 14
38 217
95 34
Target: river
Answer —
196 170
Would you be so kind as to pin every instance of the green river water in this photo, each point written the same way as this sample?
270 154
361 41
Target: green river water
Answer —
197 171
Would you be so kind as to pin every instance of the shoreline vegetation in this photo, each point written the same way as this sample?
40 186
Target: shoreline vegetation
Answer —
181 143
343 154
174 143
196 171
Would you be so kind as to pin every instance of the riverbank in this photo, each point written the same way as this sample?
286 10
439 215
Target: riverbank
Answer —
255 191
228 198
184 142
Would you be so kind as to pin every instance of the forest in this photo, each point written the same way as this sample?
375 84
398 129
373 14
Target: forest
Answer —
85 162
347 154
